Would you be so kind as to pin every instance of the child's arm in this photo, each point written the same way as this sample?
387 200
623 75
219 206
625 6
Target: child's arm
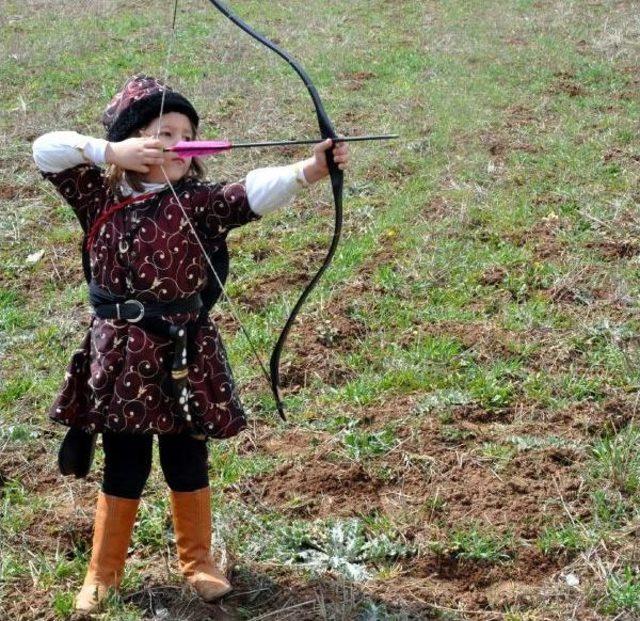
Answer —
221 208
58 151
70 162
270 188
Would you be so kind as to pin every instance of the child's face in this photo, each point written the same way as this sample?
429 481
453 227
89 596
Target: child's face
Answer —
170 129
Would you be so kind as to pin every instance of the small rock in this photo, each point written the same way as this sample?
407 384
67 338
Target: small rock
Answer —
162 614
572 580
35 257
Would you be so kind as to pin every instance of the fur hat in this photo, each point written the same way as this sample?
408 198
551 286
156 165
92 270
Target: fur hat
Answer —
138 103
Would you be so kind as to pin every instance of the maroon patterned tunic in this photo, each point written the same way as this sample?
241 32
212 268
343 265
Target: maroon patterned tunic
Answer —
119 378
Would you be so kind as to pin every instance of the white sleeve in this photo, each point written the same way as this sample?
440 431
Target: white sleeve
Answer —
270 188
57 151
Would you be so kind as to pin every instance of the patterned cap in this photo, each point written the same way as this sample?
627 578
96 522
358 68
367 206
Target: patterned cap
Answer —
138 103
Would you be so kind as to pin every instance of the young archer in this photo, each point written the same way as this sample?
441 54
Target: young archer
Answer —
152 362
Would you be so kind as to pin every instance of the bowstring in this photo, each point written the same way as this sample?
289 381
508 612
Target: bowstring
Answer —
166 63
188 219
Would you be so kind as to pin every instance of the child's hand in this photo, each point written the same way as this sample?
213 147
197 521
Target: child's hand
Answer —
316 168
135 153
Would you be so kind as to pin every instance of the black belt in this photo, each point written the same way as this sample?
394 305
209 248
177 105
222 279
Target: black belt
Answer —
107 306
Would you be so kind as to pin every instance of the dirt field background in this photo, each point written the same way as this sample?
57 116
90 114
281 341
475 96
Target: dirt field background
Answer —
462 389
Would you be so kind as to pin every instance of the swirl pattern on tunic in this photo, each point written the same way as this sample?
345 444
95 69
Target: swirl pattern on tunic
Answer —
119 377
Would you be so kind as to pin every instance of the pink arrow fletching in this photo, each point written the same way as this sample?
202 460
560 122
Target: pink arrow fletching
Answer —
199 148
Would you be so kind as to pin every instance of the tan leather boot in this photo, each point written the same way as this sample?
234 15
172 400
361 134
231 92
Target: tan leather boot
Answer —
111 536
192 525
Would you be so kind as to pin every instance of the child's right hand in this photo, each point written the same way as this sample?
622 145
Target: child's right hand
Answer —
135 153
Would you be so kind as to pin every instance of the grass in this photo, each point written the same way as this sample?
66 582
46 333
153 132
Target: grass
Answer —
476 329
563 539
359 445
623 592
477 544
616 459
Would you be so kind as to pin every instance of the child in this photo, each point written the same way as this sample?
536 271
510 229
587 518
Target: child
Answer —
152 362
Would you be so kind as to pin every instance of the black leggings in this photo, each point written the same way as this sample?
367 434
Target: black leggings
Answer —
127 463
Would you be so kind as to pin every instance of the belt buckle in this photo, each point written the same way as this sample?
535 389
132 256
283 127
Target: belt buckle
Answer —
140 307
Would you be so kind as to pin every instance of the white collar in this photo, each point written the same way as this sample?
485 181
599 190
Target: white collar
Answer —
127 190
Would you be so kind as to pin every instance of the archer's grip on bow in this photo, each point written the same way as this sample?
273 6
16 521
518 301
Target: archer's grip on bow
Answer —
336 175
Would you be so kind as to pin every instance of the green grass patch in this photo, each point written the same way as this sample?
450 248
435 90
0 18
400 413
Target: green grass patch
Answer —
616 459
623 592
152 524
480 544
566 539
360 444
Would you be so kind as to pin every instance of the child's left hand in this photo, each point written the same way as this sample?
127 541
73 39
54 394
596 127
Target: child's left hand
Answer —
316 168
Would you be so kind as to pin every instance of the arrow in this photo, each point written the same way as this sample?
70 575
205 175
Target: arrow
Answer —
213 147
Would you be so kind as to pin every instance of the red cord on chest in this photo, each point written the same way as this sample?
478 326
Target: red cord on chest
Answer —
109 212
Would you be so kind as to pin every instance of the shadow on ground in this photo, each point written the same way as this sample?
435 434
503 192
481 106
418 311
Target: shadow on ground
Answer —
258 596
